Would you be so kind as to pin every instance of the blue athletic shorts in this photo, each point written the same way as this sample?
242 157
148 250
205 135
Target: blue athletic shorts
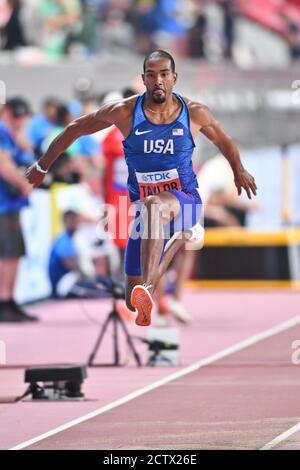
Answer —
189 215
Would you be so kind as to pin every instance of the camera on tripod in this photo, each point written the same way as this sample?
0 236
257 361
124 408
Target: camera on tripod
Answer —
114 288
117 291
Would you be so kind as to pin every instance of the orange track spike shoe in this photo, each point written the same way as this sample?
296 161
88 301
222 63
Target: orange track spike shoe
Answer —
141 299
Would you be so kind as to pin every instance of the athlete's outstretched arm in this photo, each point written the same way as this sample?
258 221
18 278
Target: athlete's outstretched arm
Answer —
210 127
106 116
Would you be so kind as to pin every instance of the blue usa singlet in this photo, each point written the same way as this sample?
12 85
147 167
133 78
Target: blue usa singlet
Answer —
159 156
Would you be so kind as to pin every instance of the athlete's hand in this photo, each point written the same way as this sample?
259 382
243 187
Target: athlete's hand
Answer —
243 179
34 177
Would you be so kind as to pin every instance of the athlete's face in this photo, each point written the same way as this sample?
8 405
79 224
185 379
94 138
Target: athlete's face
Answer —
159 79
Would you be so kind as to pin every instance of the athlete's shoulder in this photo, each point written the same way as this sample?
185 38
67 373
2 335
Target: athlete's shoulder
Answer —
119 110
200 114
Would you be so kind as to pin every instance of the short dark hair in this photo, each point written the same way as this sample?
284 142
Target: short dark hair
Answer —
62 113
157 54
50 101
18 106
70 213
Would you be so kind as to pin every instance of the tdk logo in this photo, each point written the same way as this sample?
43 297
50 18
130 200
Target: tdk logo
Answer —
159 146
156 177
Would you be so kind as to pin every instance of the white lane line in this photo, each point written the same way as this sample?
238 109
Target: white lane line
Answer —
187 370
281 437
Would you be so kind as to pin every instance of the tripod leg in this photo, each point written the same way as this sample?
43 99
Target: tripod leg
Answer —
98 342
115 337
130 342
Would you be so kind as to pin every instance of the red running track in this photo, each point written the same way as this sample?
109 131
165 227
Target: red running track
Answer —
242 401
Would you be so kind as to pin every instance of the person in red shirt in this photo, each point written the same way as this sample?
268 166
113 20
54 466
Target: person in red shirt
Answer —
115 192
115 180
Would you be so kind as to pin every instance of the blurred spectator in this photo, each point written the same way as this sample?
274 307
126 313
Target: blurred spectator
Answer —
40 126
62 19
12 32
21 23
292 34
63 257
197 32
70 277
64 169
32 22
172 25
183 267
228 27
173 284
117 32
294 40
188 28
115 180
222 206
64 260
86 34
81 154
89 145
146 24
14 191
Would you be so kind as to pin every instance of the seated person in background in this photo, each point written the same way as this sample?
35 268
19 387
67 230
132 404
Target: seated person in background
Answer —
223 208
115 180
69 277
63 257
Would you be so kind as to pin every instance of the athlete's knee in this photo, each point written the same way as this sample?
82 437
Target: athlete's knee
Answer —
155 207
152 202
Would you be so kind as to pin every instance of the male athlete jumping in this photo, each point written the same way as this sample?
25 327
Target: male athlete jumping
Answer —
159 127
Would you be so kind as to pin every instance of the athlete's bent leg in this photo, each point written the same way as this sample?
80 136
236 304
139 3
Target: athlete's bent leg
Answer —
132 281
158 211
